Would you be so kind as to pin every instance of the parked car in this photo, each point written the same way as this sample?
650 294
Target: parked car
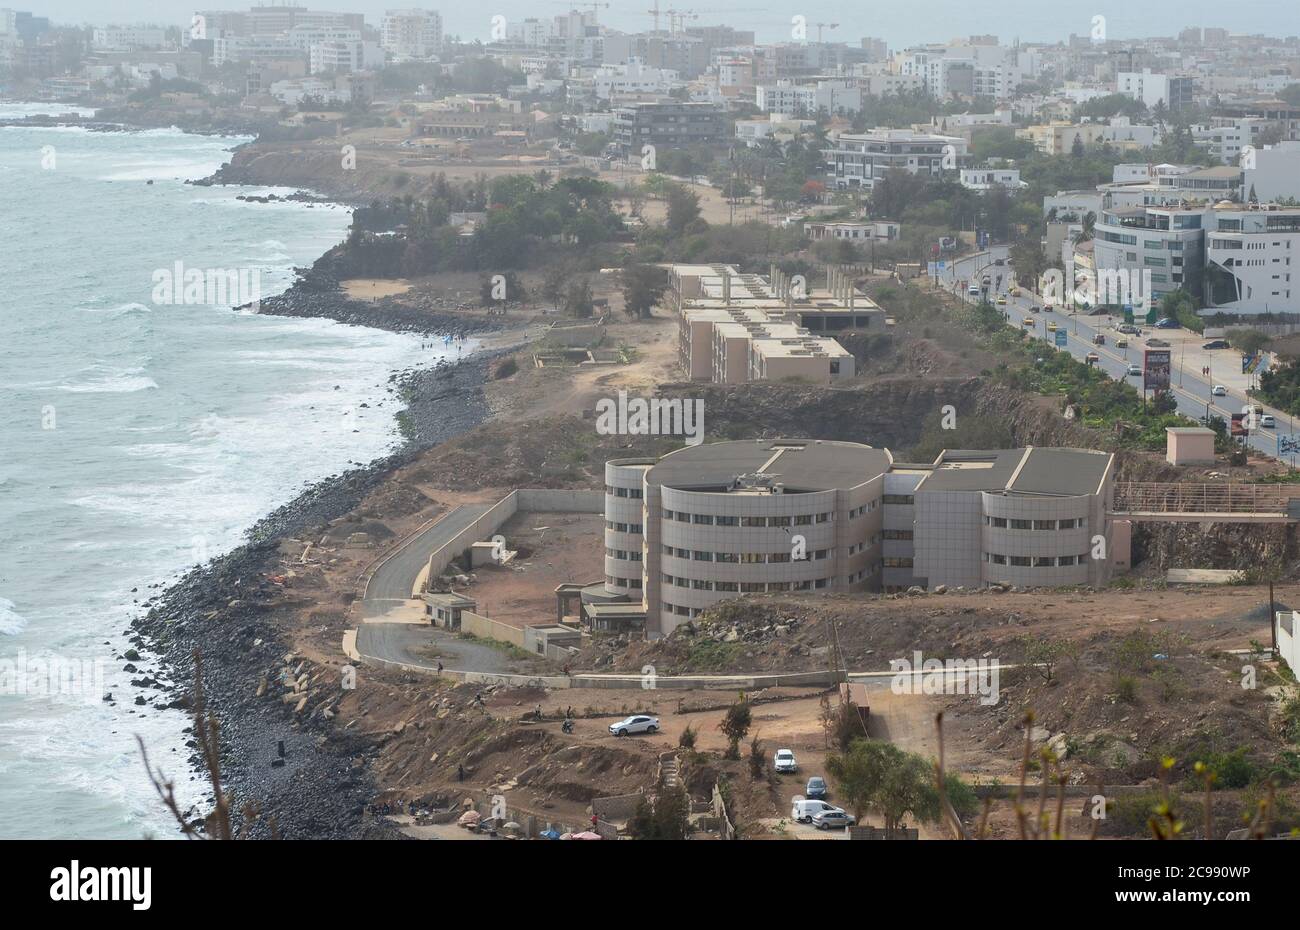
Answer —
1128 329
833 819
802 810
637 723
1266 421
816 789
784 761
1219 391
1216 344
1135 371
1157 344
1168 323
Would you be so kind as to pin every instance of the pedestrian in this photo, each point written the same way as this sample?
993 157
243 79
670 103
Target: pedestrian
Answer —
440 667
539 711
460 773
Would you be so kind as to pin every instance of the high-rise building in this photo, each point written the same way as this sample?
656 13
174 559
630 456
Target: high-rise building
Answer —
412 33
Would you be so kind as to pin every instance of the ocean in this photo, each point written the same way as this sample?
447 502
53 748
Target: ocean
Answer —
142 432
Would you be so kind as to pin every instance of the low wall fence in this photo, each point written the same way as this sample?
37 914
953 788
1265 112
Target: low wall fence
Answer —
557 500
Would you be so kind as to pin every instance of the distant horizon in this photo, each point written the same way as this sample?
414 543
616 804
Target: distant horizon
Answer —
1023 20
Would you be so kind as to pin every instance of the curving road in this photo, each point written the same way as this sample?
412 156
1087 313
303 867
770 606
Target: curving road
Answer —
393 581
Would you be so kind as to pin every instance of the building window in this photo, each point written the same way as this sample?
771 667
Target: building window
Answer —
727 521
1021 560
1000 522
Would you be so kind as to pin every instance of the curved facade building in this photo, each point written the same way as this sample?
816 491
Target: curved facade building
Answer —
712 522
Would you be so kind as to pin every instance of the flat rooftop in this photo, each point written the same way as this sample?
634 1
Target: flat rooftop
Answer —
1048 472
800 465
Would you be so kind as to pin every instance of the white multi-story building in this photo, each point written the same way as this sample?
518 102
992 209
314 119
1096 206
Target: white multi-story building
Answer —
255 49
1252 259
968 70
859 160
986 179
412 33
344 57
1151 89
632 78
128 38
1226 139
792 99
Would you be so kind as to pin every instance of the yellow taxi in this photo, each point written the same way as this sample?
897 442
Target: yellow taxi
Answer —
1051 327
1029 322
1015 292
1001 299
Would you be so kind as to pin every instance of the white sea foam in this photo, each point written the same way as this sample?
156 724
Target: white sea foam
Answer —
11 622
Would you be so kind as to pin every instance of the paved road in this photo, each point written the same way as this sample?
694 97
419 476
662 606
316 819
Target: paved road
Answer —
393 580
399 642
1191 390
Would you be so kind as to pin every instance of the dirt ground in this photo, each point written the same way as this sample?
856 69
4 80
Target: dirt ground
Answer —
554 548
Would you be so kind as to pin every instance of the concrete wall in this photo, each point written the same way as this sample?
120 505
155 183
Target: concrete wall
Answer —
478 625
525 499
1287 623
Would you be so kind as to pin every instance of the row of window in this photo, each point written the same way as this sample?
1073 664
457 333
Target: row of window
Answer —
616 582
1073 523
751 587
632 493
743 558
624 527
628 555
705 519
1035 561
902 499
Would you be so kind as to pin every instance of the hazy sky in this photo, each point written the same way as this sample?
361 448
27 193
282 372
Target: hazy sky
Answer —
899 22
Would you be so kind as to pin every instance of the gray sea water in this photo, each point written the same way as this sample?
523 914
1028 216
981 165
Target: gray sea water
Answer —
137 438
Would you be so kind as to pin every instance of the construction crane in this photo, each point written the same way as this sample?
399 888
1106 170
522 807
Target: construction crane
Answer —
828 26
574 6
680 16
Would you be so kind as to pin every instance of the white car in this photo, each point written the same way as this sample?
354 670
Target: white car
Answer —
784 761
1266 421
637 723
802 810
1134 371
1219 391
833 818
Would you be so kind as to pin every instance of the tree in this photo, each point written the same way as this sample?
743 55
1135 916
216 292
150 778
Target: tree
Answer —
643 285
577 299
666 818
873 775
683 208
735 726
1248 341
554 283
757 759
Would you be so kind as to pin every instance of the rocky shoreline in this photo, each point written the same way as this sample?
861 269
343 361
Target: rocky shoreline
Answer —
223 610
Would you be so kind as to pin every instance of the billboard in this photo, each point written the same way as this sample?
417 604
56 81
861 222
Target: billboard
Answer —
1155 369
1060 338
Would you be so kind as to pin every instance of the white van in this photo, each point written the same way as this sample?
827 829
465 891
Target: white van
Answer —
802 810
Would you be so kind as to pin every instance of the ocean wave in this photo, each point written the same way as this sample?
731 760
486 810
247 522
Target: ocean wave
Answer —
131 309
103 380
11 623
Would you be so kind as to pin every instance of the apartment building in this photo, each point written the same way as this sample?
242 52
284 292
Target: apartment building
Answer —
859 160
411 33
128 38
734 327
1225 139
344 56
612 81
717 521
852 230
1152 89
666 124
837 97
